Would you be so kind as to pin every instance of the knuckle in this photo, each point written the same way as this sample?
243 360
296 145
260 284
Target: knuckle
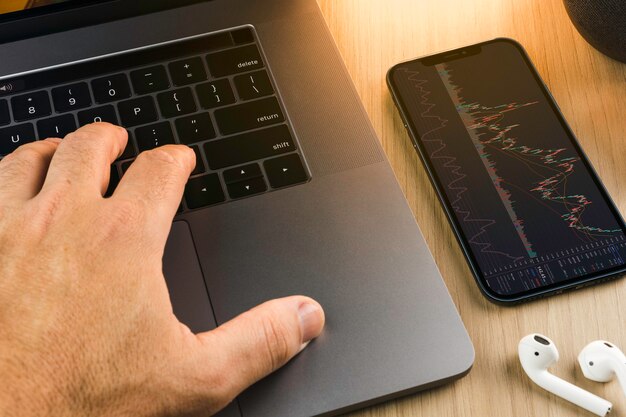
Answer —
164 168
161 155
82 142
276 342
166 155
88 146
96 129
88 137
79 135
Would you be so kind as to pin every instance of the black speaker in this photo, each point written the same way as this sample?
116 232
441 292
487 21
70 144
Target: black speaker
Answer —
602 23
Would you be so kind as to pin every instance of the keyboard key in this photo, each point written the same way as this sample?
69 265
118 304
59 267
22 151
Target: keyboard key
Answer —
242 36
114 180
138 111
71 97
285 171
248 147
149 80
196 128
200 168
176 102
249 116
111 88
243 173
97 114
187 71
254 85
5 117
234 61
13 137
204 191
56 127
215 94
31 106
153 136
247 188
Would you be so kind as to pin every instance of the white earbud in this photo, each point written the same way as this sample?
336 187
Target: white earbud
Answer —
537 353
601 360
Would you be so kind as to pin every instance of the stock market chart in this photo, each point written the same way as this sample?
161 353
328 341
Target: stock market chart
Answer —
528 206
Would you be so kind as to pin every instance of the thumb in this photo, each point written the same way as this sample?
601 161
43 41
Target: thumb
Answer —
259 341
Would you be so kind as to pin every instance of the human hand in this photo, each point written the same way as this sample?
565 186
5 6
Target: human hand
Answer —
86 324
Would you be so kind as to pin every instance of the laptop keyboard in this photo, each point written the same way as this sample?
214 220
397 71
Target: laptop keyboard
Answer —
214 93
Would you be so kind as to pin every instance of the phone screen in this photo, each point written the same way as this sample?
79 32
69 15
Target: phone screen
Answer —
527 207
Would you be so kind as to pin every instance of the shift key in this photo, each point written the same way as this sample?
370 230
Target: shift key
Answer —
248 116
248 147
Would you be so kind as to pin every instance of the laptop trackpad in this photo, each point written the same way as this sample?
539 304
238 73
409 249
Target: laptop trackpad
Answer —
183 276
188 292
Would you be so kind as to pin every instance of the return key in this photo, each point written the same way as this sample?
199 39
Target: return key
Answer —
248 116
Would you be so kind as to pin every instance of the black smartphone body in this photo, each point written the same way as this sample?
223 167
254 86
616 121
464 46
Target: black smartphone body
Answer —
529 211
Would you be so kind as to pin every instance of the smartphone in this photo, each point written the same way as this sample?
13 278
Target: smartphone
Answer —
530 213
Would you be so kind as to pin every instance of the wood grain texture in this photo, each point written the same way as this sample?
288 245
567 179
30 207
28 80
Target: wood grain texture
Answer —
591 91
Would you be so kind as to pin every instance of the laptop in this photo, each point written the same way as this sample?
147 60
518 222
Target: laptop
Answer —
292 193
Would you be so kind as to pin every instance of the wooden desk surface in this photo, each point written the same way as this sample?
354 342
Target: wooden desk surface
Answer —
590 88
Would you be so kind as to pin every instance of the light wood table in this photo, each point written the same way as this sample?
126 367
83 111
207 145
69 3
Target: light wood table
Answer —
590 88
12 5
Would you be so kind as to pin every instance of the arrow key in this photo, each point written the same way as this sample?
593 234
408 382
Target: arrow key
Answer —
285 171
203 191
243 173
247 188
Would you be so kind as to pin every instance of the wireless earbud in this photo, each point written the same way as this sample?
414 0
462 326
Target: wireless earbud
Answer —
601 360
536 354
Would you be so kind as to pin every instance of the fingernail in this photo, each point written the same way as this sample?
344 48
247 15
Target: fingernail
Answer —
303 346
311 321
